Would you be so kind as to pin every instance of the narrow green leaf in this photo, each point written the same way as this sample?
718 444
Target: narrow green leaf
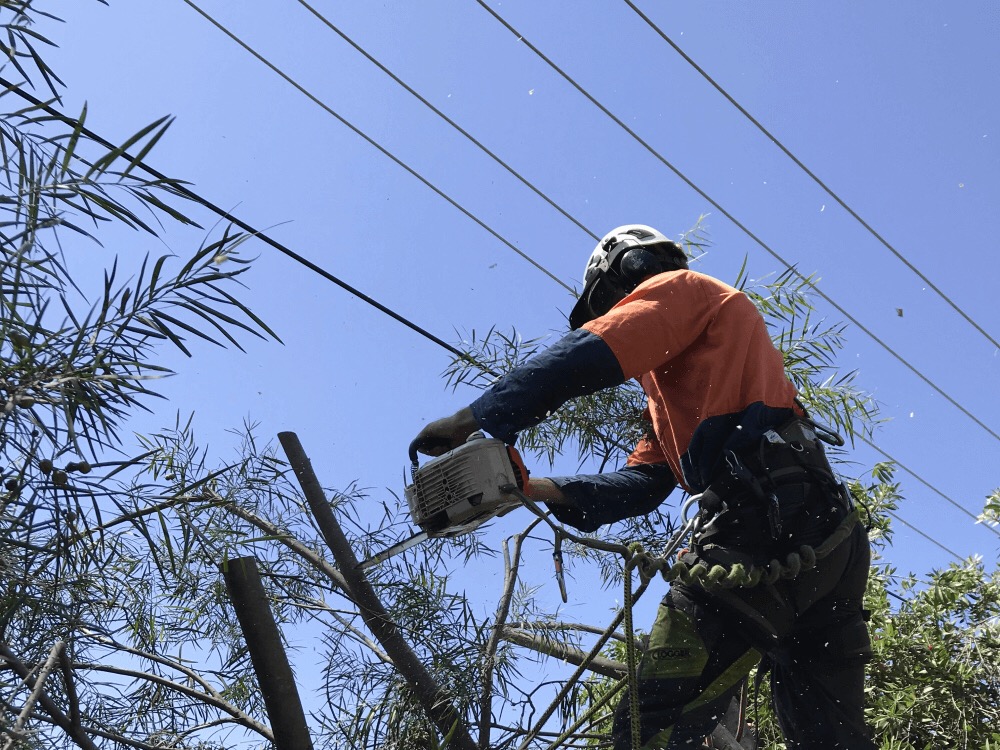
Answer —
152 141
104 163
160 315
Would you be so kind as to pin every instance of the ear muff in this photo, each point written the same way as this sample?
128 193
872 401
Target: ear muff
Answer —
637 264
621 261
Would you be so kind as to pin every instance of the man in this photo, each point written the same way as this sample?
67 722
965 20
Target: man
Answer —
725 425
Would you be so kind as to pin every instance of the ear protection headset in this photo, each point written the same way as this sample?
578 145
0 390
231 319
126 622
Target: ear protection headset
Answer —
622 260
636 264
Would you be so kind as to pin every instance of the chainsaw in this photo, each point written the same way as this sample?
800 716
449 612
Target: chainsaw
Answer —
459 491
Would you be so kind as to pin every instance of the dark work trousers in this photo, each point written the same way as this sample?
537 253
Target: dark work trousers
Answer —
810 628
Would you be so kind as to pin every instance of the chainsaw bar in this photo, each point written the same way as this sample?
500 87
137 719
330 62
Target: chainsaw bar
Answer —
394 550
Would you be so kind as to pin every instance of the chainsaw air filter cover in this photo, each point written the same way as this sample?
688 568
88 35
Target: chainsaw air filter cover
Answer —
459 491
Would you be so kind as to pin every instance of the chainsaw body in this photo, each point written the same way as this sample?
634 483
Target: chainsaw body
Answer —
459 491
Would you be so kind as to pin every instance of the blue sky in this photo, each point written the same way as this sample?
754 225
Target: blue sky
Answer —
893 104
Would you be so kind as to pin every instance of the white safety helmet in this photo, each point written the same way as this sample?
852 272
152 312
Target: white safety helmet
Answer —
622 259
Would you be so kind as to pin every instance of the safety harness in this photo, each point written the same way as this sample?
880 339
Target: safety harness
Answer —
783 457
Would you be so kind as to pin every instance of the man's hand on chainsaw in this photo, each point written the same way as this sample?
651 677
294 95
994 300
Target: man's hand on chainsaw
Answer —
538 488
441 435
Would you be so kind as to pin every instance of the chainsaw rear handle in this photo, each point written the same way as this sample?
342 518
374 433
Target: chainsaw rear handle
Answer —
426 442
433 442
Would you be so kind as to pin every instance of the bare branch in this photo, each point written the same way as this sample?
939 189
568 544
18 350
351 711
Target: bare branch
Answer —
435 701
58 717
564 652
512 563
289 541
239 716
15 733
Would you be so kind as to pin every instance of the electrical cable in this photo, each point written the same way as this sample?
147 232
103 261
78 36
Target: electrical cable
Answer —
191 195
928 537
453 350
552 203
927 484
262 236
321 271
458 353
829 191
326 21
372 142
896 596
537 191
774 254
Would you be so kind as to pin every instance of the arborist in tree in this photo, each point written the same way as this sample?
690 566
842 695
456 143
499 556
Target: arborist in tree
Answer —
726 425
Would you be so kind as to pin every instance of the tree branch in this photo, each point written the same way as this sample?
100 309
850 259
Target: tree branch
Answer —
512 564
191 674
267 653
321 606
436 701
58 717
289 541
595 649
563 651
222 705
129 741
582 627
15 733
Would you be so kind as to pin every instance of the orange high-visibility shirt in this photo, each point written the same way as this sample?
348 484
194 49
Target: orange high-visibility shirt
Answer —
702 354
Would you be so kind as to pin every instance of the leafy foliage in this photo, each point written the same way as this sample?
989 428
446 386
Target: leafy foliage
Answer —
78 337
935 677
991 511
810 348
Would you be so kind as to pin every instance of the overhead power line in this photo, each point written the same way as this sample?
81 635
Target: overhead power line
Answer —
368 56
372 142
333 27
329 24
300 88
928 537
927 484
262 236
829 191
774 254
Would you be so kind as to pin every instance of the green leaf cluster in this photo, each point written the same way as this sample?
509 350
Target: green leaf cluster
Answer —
935 677
81 330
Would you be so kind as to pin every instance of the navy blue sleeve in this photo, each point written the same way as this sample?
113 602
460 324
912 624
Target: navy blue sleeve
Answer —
577 365
599 499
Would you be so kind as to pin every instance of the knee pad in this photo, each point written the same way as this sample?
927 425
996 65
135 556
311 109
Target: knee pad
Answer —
675 650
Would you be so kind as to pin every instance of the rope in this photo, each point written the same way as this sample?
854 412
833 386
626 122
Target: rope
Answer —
714 577
709 578
630 657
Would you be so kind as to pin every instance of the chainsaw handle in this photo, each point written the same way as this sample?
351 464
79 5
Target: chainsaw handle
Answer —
426 442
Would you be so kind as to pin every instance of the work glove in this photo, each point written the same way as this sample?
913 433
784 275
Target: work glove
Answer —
442 435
